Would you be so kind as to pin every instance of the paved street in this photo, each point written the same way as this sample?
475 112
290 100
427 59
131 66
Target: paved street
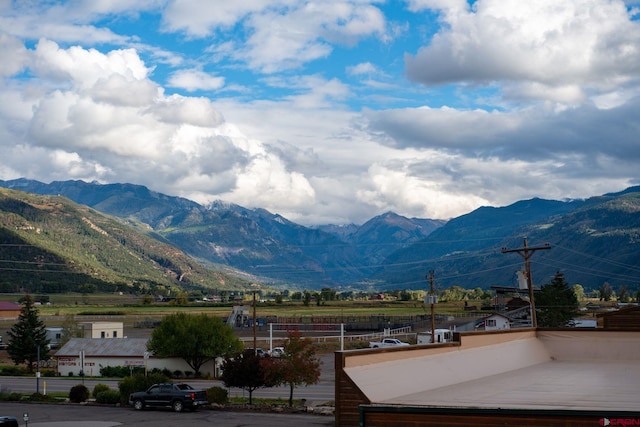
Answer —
49 415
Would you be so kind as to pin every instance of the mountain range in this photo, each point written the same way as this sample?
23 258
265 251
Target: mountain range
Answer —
592 241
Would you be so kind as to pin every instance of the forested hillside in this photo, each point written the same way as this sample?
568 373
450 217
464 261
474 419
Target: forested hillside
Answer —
50 244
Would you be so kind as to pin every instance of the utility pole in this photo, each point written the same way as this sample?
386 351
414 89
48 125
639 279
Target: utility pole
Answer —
526 252
255 348
431 299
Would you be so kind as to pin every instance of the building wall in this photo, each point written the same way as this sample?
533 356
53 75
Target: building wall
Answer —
626 318
500 323
9 314
102 329
92 365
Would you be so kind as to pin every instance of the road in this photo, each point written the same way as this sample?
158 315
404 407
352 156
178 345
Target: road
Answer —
57 415
317 392
322 392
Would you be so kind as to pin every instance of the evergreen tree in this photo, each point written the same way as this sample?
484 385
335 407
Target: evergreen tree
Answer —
26 335
556 303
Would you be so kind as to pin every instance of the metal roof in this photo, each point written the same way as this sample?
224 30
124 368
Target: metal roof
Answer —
104 347
9 306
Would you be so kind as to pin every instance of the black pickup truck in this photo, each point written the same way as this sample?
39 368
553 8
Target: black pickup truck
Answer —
178 396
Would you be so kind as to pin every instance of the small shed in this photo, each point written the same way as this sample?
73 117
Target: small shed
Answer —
9 310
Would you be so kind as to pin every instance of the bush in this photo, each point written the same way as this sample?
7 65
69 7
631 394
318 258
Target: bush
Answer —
39 397
13 371
138 382
11 397
110 397
119 371
98 388
217 395
78 393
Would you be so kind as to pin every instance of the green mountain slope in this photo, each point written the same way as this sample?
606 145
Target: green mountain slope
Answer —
50 244
592 242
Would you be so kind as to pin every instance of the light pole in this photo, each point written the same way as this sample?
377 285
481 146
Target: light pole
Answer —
38 367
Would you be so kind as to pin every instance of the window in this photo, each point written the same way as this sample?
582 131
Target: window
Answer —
491 322
102 334
115 334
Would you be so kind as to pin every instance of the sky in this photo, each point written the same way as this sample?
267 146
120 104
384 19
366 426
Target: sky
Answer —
325 112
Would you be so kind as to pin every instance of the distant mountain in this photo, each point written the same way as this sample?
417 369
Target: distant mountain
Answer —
50 244
592 241
384 234
252 240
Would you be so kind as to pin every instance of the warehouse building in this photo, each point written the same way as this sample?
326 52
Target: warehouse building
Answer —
89 355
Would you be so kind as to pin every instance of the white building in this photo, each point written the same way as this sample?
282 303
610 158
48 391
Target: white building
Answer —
91 354
54 335
494 322
101 329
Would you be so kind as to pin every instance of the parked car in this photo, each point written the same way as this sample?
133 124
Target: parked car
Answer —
276 351
175 396
6 421
260 352
387 342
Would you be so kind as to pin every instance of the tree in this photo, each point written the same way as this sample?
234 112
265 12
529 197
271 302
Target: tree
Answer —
28 335
297 366
195 338
70 329
556 303
578 290
623 294
606 292
306 301
245 371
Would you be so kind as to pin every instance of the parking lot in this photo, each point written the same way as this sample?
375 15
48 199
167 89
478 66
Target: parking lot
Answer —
60 415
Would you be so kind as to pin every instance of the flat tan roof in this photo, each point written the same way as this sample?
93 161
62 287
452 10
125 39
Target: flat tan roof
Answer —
565 385
563 370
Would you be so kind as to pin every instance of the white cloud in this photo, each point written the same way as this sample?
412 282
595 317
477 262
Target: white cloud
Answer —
362 68
517 100
586 45
13 53
193 80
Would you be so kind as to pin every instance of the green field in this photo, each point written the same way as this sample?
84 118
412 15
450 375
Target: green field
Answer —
131 305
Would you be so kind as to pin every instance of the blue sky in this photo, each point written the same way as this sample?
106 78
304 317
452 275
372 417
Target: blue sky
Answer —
328 111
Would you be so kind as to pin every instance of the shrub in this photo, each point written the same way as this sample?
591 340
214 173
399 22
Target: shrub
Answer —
138 382
217 395
39 397
120 371
11 397
13 371
78 393
98 388
110 397
177 373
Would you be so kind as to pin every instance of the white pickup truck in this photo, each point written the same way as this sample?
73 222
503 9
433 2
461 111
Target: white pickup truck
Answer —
387 342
